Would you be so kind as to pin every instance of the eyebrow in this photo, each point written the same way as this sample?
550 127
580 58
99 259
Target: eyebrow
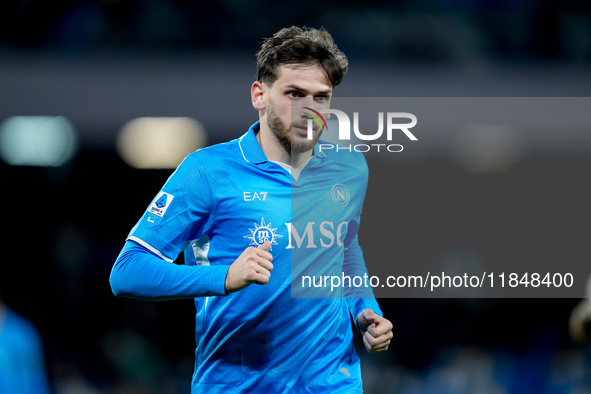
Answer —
301 89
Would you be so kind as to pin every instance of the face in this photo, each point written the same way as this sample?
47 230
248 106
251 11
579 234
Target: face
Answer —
297 87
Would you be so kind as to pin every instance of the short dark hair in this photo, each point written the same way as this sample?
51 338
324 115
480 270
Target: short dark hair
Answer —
300 45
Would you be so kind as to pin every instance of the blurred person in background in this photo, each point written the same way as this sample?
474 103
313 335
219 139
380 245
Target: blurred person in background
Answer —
258 338
580 318
22 366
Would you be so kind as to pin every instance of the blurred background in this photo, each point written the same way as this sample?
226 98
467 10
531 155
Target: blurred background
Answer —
88 87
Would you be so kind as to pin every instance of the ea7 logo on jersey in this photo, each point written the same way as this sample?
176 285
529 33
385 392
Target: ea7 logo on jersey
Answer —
159 207
255 196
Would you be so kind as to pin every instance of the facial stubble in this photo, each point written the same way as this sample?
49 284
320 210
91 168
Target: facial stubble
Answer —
282 132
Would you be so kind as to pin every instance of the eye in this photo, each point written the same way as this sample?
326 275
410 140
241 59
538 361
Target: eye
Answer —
295 94
322 98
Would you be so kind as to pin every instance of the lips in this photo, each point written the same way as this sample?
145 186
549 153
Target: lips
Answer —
305 128
301 131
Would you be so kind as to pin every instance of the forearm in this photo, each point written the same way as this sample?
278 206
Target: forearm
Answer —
138 273
358 298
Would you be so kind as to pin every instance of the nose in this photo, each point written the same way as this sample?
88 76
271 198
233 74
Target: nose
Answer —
306 104
306 113
311 113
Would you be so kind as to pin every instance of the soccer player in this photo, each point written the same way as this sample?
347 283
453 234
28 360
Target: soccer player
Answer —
249 214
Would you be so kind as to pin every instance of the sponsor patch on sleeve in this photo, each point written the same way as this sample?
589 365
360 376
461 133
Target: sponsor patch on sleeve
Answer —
159 207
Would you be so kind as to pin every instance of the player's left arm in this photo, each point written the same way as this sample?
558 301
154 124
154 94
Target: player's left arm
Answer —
373 326
363 307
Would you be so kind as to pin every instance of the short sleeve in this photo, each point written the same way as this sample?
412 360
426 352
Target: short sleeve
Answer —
181 212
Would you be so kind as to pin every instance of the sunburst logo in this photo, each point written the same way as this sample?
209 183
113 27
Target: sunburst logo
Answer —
261 233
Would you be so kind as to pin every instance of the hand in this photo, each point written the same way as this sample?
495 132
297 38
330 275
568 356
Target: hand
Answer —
252 266
376 330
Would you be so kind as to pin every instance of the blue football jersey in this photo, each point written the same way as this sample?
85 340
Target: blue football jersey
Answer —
273 337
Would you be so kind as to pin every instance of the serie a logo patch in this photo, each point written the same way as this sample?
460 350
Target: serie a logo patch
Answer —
159 206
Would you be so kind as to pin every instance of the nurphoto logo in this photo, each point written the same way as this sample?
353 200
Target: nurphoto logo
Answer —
344 132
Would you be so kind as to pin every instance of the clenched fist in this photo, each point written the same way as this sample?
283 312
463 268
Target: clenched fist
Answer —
376 330
252 266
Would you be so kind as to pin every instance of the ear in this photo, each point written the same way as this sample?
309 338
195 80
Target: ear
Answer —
257 95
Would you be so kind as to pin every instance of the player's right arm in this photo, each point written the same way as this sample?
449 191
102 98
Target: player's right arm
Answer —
183 210
252 266
138 273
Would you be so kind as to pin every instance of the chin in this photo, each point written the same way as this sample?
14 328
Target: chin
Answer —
302 146
300 142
